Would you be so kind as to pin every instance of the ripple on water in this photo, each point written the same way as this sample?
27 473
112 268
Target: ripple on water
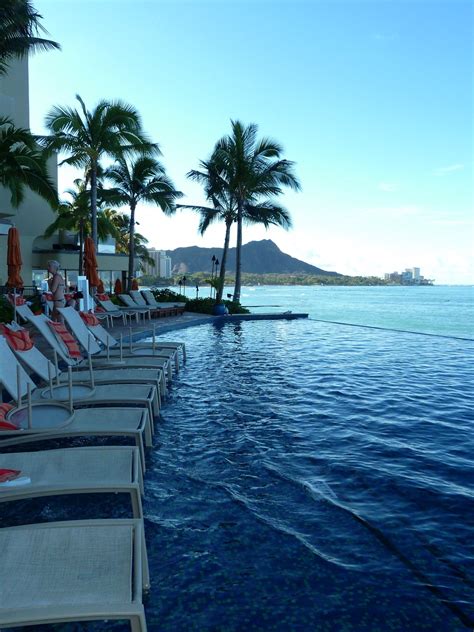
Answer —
309 476
327 477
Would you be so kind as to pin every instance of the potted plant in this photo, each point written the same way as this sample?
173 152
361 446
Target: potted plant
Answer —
219 309
35 304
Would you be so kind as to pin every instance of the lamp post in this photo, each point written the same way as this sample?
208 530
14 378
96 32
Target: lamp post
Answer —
180 283
184 285
197 290
215 263
217 274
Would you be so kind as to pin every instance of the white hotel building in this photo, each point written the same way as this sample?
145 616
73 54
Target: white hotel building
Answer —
162 267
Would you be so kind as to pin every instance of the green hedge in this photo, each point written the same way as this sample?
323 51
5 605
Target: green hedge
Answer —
168 296
6 310
206 305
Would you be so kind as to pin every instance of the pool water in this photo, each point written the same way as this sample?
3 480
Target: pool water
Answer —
312 476
315 476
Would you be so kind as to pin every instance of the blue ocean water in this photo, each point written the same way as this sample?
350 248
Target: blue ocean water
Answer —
445 310
311 476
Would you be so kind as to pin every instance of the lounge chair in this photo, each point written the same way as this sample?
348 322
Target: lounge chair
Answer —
55 420
130 303
139 298
108 340
85 470
40 323
175 307
82 570
86 392
115 311
84 332
160 346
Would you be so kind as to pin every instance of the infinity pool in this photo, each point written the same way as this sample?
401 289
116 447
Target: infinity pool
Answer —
309 476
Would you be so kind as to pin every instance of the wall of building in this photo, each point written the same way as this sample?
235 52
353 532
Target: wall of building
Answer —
162 267
34 215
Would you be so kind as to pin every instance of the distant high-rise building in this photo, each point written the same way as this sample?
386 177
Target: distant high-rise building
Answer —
162 267
165 265
410 276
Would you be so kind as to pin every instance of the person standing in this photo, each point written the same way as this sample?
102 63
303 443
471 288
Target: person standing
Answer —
56 287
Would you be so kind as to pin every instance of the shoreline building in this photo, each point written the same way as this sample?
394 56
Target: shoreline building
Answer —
34 215
162 267
410 276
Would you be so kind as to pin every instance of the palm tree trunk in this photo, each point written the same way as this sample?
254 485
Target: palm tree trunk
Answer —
220 291
94 204
131 248
238 255
81 246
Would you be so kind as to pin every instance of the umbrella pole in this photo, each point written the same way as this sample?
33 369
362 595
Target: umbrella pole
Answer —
50 379
30 408
56 366
14 304
18 386
69 371
91 372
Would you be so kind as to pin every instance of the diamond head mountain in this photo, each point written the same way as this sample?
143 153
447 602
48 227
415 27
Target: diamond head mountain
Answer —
258 257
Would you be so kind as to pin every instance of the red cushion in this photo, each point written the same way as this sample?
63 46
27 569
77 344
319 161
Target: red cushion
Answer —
103 297
66 338
49 296
19 339
18 300
4 424
8 475
89 318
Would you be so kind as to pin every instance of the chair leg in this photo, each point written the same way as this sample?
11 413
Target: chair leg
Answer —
145 567
151 416
136 501
138 623
141 449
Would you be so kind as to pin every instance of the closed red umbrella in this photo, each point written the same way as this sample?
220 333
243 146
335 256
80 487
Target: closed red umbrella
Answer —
90 263
134 284
14 261
118 287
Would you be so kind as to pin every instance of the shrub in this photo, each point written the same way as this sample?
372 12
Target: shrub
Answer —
206 305
168 296
236 308
6 310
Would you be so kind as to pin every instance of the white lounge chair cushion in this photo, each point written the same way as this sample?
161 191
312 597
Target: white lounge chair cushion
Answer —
50 566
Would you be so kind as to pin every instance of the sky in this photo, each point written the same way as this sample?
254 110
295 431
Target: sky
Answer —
371 99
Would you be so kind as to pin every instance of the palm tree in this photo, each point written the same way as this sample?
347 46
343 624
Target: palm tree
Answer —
19 30
223 209
254 173
111 128
121 222
141 180
23 164
74 215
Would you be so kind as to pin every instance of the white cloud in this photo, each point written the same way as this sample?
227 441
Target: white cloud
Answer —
453 222
385 37
389 187
442 171
389 212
